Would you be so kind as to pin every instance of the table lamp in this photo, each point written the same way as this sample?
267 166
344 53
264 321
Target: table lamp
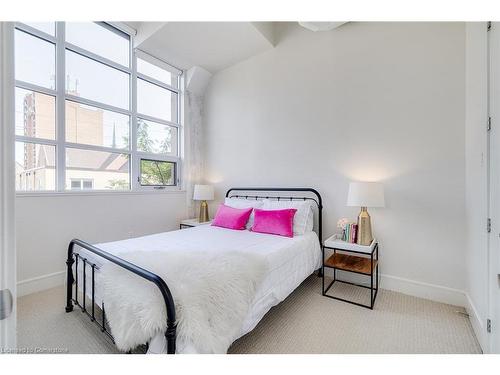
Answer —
203 193
365 194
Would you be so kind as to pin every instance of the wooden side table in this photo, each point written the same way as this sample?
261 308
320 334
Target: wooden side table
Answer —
354 258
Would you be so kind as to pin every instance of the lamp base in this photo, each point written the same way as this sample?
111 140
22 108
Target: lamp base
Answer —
365 237
203 212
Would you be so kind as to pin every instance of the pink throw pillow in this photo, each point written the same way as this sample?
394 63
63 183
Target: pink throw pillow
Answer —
278 222
231 218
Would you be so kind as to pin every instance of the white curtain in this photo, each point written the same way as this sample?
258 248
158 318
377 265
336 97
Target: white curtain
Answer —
194 147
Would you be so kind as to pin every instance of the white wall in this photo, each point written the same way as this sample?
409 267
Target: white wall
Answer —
368 101
476 204
45 225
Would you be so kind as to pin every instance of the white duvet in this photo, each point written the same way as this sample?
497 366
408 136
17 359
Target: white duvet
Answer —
289 262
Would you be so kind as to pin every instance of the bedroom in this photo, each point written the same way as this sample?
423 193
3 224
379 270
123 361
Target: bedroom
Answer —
222 179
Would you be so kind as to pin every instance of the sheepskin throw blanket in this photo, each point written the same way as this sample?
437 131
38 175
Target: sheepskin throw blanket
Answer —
212 294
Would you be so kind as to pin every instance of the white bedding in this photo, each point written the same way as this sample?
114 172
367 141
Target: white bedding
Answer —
290 261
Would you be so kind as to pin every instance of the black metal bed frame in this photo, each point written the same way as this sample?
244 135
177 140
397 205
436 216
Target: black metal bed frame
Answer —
171 331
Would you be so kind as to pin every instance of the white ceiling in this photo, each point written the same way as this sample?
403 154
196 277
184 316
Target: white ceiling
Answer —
210 45
321 26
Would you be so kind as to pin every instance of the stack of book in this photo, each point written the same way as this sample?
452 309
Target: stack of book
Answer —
351 233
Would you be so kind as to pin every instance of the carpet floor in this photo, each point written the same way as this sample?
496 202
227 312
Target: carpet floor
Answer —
306 322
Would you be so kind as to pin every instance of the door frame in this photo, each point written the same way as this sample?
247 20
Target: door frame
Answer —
7 180
494 186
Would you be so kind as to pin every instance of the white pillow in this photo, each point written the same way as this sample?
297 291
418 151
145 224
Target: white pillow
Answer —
244 203
310 218
303 221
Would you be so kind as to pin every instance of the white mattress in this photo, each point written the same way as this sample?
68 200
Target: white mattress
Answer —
290 261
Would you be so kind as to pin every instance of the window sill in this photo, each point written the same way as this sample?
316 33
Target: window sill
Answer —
96 193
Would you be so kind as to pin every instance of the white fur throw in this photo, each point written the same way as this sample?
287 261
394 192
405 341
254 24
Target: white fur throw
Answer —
212 294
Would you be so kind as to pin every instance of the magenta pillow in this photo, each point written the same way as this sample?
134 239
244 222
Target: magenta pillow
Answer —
231 218
278 222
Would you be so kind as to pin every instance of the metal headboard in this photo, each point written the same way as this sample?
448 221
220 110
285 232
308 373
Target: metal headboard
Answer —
317 199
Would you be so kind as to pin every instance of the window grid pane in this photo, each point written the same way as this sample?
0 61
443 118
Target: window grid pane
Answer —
157 173
107 170
153 71
35 60
156 138
95 126
98 39
35 114
35 167
155 101
95 81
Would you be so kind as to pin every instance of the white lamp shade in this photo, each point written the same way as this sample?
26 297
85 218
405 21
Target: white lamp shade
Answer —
203 193
366 194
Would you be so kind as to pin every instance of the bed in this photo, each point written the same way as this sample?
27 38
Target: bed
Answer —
289 261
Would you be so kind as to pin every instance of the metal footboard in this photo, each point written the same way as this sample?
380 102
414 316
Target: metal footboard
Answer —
170 333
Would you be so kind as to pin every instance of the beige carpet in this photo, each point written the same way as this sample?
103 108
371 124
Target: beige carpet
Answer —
305 322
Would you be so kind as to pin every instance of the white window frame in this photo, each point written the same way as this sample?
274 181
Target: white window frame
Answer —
60 95
152 156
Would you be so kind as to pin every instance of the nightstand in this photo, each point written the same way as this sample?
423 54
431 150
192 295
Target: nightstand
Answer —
189 223
354 258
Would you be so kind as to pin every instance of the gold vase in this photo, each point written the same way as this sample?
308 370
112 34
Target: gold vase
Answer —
203 212
364 228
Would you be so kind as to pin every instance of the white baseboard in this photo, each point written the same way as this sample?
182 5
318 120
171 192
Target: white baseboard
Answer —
414 288
420 289
478 324
37 284
398 284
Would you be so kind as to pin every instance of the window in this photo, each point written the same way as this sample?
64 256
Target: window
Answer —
35 60
35 114
35 166
98 82
82 184
95 126
157 173
156 138
97 38
160 74
109 170
155 101
46 27
91 113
